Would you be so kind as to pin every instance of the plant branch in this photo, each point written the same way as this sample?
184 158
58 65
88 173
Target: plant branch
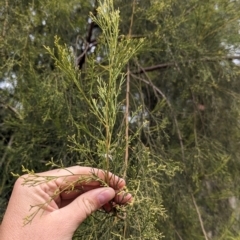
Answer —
127 123
176 64
6 19
199 217
173 64
148 78
5 153
172 112
4 27
12 109
178 234
127 99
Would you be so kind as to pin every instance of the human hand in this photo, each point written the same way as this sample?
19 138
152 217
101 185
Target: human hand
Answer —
63 207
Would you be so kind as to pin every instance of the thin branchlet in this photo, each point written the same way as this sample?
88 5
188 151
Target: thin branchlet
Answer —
32 180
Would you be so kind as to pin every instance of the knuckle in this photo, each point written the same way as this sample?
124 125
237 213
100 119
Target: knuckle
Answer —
19 181
89 206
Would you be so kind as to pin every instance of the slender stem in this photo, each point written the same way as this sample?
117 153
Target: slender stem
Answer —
131 23
12 109
107 152
199 217
127 110
6 163
172 64
127 123
5 153
127 97
179 236
5 20
172 112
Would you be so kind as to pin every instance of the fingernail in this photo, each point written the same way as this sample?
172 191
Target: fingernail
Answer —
128 196
106 195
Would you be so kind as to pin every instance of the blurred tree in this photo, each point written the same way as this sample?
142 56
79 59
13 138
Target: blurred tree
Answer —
173 114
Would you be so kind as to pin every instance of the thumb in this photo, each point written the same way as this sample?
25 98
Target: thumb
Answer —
79 209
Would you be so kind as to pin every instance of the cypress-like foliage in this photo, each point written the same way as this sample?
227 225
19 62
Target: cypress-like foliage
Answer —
146 89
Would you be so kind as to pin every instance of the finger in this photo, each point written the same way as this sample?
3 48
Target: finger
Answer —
67 197
123 198
119 199
82 176
87 203
70 194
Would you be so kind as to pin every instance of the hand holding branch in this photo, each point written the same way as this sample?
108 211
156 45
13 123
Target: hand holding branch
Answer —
64 198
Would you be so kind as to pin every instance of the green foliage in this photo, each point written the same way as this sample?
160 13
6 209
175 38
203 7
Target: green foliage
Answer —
156 101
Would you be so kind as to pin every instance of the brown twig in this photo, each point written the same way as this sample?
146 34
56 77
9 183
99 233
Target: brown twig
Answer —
82 55
127 123
179 236
127 98
199 217
173 64
127 109
172 55
148 78
5 153
172 112
4 27
6 20
12 109
89 42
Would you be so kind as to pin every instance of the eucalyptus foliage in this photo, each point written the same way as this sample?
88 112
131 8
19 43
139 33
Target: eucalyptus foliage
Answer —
155 100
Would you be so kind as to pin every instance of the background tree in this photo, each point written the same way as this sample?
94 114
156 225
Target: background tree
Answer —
165 85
